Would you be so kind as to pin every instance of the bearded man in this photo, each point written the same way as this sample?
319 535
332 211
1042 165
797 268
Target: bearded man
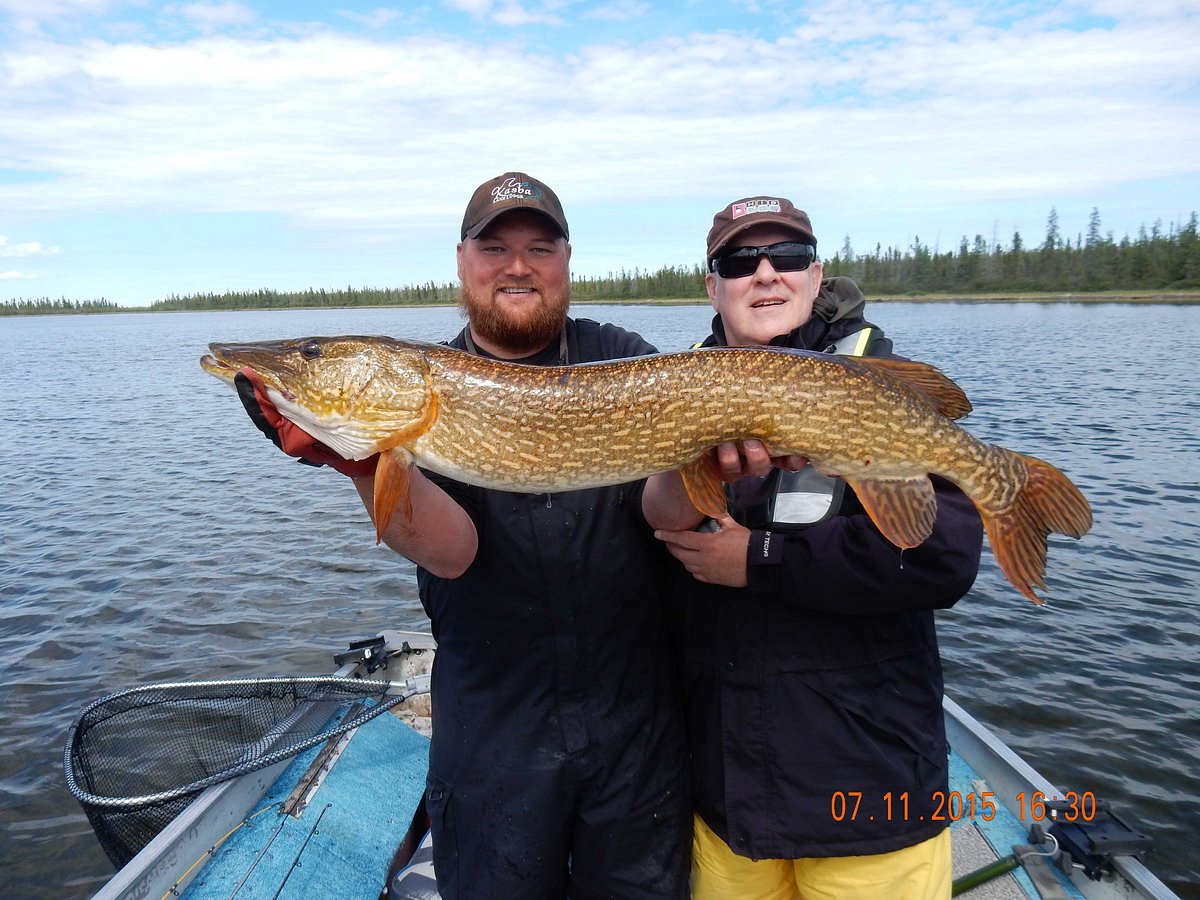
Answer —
557 763
557 766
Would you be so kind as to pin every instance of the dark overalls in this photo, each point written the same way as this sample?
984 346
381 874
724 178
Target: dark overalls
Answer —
557 766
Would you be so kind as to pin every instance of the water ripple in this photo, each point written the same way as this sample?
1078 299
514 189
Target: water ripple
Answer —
148 533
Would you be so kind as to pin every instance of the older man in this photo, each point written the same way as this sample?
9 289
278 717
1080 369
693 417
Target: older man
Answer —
810 660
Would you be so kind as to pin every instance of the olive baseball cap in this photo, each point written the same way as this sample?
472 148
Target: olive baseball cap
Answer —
512 190
751 211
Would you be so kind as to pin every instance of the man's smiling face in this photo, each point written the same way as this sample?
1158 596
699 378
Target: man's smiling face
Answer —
765 304
515 283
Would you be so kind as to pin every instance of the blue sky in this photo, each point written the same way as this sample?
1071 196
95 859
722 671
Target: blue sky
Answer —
151 148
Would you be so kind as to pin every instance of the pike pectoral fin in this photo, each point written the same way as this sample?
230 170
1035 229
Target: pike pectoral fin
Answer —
393 474
944 395
702 480
392 488
903 511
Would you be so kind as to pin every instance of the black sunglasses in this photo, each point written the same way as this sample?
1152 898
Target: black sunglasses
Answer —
786 256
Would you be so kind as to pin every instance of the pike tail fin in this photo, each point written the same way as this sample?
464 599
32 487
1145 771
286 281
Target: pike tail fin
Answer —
392 489
1048 502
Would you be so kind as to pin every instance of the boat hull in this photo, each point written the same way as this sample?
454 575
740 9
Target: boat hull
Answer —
358 804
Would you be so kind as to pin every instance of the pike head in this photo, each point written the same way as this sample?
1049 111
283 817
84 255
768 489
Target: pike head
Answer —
356 395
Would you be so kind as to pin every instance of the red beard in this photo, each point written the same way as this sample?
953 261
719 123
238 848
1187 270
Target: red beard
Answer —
521 333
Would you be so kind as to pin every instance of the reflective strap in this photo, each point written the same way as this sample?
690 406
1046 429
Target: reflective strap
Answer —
854 344
804 498
808 497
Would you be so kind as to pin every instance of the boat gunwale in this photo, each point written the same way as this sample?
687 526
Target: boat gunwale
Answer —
1007 775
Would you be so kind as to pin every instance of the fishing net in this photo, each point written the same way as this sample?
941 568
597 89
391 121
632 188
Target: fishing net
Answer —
135 759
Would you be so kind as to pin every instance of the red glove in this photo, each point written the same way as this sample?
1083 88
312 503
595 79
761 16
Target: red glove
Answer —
289 437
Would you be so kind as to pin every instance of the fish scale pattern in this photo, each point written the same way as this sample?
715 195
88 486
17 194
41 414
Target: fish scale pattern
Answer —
624 420
883 425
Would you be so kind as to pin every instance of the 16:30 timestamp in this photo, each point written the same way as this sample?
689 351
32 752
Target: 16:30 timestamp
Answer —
950 806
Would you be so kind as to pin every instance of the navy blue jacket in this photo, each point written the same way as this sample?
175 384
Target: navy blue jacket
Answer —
820 683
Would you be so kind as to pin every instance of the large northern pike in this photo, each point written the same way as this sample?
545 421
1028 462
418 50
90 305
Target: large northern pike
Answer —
882 425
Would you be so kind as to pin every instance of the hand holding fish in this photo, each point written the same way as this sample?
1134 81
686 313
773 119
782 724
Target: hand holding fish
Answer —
288 436
716 556
752 458
443 541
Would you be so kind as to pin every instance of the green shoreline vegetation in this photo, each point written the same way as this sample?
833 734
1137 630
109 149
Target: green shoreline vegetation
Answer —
1158 266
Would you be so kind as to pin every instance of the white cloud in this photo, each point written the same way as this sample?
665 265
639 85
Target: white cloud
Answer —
506 12
18 251
477 9
48 9
214 16
862 105
29 16
1144 9
14 276
515 14
376 18
617 11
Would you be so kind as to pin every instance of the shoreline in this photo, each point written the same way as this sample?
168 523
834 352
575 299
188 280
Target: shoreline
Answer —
1163 298
1168 298
1173 298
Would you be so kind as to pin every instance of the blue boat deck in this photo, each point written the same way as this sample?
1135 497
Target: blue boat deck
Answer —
330 822
344 839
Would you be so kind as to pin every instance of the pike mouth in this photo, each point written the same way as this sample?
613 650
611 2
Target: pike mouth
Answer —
227 372
214 366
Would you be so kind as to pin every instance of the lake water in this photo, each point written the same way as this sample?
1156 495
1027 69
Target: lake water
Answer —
148 532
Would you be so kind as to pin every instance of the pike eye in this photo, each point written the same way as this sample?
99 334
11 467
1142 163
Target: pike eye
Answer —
311 350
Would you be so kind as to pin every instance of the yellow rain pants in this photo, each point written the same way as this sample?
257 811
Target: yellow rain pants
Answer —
920 872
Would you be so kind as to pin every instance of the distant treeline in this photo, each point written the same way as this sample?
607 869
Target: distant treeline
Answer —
1156 260
679 282
46 306
428 293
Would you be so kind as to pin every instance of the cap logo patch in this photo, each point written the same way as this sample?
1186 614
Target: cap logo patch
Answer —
755 206
511 189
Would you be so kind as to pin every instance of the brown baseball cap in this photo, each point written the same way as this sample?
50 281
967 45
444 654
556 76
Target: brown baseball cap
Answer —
512 190
751 211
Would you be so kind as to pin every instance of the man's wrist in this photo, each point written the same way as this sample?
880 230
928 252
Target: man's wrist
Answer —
765 548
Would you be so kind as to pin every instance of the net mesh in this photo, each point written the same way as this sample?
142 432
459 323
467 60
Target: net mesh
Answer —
135 759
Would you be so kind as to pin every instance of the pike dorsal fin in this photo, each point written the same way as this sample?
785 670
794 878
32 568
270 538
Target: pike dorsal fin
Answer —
945 396
902 510
702 481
